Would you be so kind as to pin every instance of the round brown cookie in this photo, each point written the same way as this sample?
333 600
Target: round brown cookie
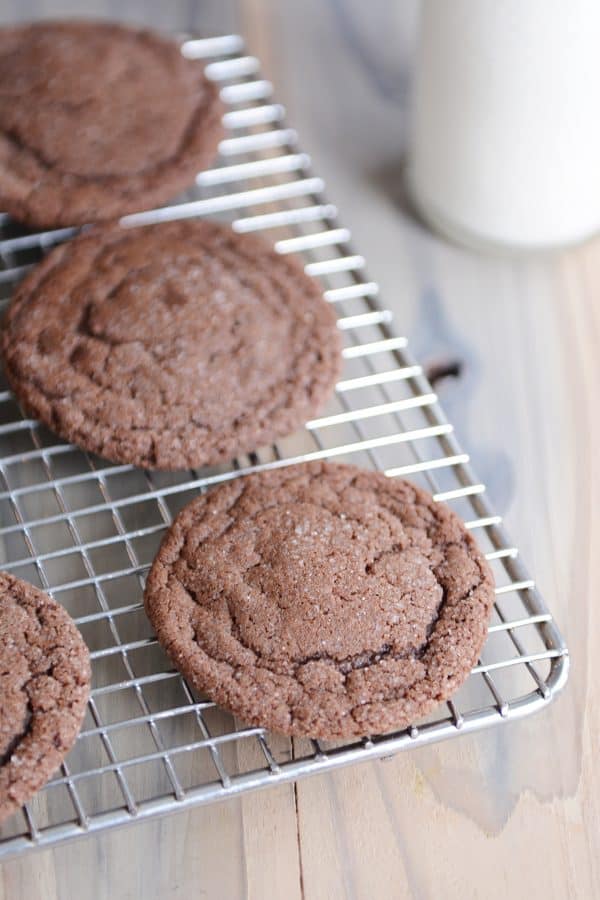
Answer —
171 346
97 120
321 600
44 685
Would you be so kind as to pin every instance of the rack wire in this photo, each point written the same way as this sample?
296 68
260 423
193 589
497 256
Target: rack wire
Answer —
86 530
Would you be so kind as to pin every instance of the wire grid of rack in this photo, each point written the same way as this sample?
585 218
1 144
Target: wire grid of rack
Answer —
87 530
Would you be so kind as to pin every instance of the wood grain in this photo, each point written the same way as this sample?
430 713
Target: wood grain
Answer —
509 813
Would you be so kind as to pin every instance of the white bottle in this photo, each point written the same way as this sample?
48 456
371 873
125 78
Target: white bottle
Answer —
505 144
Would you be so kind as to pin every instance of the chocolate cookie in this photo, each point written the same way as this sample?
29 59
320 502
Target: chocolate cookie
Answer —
171 346
97 120
321 600
44 685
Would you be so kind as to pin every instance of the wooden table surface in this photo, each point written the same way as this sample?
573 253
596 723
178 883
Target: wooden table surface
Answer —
509 813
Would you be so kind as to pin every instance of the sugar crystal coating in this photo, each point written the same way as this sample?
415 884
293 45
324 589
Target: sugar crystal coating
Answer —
44 685
170 346
321 600
98 120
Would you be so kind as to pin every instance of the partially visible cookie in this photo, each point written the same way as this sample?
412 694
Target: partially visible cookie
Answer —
98 120
321 600
44 685
171 346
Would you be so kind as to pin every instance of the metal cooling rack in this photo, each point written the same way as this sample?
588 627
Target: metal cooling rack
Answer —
86 530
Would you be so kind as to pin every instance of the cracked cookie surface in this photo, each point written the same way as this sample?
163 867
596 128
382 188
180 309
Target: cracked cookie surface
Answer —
321 600
44 685
98 120
170 346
